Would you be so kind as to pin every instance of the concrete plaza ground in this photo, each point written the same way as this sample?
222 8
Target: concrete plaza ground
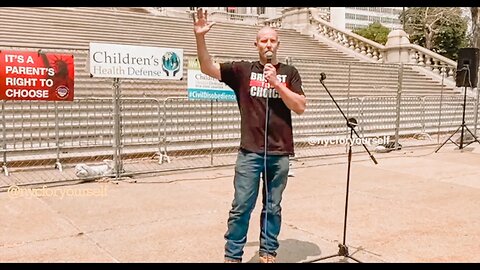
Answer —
414 206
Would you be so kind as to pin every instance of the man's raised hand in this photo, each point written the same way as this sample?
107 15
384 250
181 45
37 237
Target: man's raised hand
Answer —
200 23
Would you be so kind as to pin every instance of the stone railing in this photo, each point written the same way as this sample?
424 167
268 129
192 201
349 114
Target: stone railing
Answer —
377 52
366 47
287 12
170 12
275 22
431 61
224 16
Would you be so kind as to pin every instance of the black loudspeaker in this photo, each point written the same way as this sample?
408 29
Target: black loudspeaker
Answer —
467 67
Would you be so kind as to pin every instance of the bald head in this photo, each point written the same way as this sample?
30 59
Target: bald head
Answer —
266 31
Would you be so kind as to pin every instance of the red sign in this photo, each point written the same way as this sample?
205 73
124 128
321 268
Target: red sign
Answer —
36 76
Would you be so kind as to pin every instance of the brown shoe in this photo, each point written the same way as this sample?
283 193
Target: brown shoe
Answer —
266 258
229 260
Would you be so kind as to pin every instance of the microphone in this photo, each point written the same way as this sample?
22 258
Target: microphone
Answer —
322 77
352 122
269 56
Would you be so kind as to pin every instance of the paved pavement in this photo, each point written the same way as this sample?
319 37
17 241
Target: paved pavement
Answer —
414 206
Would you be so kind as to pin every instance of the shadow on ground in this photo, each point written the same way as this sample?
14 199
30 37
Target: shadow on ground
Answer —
290 251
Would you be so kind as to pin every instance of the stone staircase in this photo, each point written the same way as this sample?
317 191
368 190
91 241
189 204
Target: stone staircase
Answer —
70 30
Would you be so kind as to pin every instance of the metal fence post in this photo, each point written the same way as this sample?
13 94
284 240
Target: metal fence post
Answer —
359 117
348 94
361 111
349 80
423 117
211 132
399 96
164 154
117 158
476 111
440 105
58 164
160 139
4 141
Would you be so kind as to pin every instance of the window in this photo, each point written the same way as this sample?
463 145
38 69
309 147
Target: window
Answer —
350 16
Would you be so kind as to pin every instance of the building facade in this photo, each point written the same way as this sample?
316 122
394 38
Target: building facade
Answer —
350 18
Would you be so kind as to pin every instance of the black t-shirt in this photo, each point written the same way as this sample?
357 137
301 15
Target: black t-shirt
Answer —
251 90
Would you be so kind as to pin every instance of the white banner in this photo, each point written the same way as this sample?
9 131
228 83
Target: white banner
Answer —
136 62
201 86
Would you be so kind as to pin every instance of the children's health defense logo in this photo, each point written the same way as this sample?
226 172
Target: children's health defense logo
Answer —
170 63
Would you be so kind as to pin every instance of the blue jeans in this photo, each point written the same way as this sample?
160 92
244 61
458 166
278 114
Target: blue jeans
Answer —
246 182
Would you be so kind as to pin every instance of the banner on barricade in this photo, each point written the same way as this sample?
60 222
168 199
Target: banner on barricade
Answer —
135 62
36 76
203 87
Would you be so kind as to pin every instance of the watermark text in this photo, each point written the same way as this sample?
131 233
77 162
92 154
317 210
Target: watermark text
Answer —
348 141
16 192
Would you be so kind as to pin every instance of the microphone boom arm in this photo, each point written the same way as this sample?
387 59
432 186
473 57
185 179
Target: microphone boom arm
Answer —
350 123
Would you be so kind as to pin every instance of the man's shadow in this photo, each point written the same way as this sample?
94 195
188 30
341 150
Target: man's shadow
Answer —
290 251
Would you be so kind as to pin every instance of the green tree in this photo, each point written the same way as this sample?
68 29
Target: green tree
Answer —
475 35
374 31
440 29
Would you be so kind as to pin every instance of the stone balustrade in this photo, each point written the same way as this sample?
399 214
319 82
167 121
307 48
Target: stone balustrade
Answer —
416 54
431 61
274 23
372 50
250 19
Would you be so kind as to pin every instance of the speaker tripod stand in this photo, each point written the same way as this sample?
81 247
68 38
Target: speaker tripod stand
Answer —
351 123
463 126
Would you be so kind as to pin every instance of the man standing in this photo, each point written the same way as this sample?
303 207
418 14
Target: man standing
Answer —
266 91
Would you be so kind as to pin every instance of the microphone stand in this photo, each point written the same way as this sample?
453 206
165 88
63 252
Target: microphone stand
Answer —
269 56
351 123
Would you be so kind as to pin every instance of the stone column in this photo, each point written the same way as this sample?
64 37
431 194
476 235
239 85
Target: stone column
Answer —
396 50
295 18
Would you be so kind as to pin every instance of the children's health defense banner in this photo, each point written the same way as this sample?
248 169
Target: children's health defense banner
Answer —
36 76
204 87
135 62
